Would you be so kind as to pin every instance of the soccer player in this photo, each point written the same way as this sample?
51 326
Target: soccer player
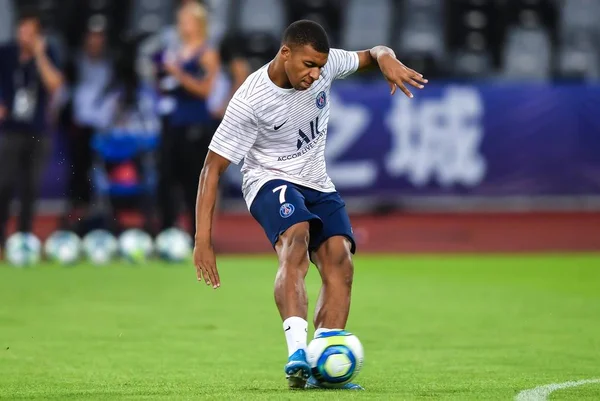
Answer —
277 123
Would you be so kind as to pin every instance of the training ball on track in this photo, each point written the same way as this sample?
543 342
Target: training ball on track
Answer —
23 249
63 247
174 245
135 245
100 246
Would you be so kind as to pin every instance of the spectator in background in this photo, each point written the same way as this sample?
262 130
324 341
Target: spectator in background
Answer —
29 77
166 37
86 111
130 128
234 71
128 101
188 75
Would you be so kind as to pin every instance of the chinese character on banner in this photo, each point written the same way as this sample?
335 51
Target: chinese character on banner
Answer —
437 138
349 123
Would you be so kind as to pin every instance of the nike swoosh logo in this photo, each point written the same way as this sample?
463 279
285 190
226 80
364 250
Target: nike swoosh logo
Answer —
289 327
277 127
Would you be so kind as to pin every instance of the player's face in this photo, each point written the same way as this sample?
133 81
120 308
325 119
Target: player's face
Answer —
303 65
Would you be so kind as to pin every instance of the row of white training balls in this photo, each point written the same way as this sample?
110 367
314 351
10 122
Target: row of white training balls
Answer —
98 247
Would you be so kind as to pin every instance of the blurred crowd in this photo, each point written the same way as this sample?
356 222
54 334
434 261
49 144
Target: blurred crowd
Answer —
133 140
135 88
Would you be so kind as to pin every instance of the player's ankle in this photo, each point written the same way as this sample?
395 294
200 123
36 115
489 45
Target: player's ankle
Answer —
322 330
295 329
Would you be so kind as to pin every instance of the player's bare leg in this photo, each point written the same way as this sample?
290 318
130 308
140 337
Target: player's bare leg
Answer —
291 299
290 289
334 260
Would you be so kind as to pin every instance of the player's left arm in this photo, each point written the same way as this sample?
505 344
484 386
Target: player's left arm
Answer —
396 73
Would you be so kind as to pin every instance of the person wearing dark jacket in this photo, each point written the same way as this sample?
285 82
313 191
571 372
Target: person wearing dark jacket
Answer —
29 76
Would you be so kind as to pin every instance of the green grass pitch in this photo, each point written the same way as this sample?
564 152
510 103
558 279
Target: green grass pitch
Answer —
433 327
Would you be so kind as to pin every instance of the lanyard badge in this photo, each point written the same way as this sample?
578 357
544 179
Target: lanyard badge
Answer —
26 97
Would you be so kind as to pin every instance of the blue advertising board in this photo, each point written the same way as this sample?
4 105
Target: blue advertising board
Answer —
451 139
465 140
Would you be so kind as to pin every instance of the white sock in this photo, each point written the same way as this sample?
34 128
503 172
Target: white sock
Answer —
323 330
295 329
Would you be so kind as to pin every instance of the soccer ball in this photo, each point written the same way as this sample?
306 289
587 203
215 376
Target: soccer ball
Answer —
100 246
174 245
135 245
63 247
23 249
335 358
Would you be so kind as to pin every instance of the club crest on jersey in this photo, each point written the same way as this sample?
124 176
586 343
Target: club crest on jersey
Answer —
286 210
321 99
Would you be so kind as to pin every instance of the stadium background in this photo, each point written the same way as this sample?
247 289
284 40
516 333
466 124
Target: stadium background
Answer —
507 126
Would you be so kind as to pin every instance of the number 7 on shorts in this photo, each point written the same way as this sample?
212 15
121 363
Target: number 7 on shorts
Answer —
281 188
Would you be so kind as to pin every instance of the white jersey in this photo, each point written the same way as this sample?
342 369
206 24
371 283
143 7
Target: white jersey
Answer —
280 133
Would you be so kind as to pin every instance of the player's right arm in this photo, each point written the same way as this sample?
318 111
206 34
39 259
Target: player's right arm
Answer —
230 144
204 255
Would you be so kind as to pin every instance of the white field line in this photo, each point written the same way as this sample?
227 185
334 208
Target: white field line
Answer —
541 393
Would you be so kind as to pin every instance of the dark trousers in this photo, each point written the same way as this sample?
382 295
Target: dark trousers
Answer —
22 159
80 138
181 158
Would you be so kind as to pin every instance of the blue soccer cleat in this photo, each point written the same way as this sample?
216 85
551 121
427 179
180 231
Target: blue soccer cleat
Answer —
297 370
313 383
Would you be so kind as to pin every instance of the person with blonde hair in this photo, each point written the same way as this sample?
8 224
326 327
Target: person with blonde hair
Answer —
189 70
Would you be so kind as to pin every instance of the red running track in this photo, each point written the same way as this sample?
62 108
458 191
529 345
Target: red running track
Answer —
420 233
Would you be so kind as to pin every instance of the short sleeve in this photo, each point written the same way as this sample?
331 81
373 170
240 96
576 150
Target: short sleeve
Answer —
342 63
237 132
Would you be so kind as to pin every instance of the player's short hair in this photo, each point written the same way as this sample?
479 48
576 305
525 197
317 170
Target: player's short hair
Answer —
305 32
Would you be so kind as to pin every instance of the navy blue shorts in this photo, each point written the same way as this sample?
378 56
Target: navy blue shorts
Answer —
280 204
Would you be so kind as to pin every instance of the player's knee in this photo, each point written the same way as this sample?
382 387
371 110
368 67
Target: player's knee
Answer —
340 269
346 268
342 258
295 238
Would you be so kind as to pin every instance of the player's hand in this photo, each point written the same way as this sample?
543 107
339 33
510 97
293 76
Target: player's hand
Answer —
206 265
3 112
398 75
